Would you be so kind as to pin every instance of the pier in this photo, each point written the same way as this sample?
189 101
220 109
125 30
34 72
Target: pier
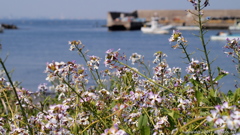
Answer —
215 19
124 21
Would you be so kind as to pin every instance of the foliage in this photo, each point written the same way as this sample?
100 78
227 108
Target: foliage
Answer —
123 100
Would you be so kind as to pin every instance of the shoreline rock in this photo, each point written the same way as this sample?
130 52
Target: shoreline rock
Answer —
9 26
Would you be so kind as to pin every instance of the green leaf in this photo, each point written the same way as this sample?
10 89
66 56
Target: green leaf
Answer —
75 128
173 114
172 122
221 74
145 130
85 133
230 94
236 95
173 118
112 104
195 82
212 93
199 96
142 121
219 77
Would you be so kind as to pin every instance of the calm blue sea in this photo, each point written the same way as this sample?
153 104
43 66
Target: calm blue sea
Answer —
37 42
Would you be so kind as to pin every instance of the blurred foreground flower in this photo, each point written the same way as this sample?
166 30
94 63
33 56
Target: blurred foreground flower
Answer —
225 117
114 131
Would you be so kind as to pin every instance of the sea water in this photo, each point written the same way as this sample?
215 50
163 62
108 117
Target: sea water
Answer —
37 42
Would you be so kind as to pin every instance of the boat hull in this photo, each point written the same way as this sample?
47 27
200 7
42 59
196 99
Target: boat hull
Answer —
187 28
234 28
225 37
154 31
157 29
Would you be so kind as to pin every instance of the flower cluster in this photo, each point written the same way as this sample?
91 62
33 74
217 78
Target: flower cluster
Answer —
177 36
136 58
129 104
162 72
234 50
114 130
61 71
94 62
123 100
161 123
234 46
196 70
197 67
195 3
42 88
75 45
25 98
159 56
55 121
3 131
111 57
226 118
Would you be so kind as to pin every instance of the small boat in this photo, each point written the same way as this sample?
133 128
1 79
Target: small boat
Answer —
154 27
224 36
235 27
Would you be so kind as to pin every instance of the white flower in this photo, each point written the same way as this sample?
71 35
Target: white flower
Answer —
214 114
219 122
231 122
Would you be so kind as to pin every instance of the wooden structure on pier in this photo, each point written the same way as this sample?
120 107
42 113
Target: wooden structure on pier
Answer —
124 21
215 19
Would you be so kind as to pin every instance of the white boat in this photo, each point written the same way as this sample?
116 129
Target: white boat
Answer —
187 28
224 36
235 27
155 28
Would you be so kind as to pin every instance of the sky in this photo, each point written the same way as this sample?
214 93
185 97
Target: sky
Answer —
95 9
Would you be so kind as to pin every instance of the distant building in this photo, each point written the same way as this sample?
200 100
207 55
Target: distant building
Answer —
216 19
124 21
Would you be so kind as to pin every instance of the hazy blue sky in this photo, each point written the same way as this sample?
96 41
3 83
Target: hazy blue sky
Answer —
94 9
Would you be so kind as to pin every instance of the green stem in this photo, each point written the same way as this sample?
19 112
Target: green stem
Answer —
85 59
238 57
200 124
4 106
185 51
149 73
85 104
98 120
18 100
204 44
99 78
192 121
151 120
